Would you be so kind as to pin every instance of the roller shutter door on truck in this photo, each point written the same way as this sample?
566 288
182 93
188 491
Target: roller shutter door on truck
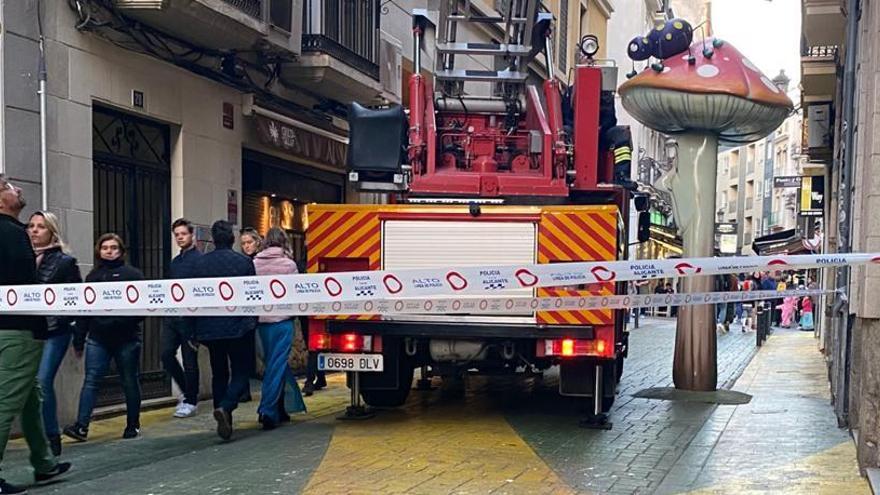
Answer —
408 244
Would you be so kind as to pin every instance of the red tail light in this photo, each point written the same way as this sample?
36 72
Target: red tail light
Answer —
575 347
318 341
351 342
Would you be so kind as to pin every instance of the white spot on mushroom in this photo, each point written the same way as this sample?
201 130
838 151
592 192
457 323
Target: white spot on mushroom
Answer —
633 47
769 84
748 63
727 59
686 56
667 69
708 70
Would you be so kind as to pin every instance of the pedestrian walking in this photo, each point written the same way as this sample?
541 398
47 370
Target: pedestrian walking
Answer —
251 243
806 322
315 378
21 346
721 285
106 338
281 394
178 331
789 307
54 266
229 339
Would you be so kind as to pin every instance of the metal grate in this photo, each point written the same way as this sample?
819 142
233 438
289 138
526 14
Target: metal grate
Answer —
253 8
346 29
132 197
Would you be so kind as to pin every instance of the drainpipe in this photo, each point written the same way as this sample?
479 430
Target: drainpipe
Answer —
845 198
44 165
41 76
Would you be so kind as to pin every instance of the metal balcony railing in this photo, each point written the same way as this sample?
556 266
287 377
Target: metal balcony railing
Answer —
347 30
820 51
253 8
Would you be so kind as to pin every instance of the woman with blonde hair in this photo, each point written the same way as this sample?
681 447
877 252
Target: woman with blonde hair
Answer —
54 266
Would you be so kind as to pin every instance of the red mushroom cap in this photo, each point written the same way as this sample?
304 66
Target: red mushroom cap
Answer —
724 93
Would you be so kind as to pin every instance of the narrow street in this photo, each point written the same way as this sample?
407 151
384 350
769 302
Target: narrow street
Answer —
505 436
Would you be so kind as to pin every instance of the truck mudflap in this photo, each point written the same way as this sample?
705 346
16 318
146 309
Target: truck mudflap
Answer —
577 377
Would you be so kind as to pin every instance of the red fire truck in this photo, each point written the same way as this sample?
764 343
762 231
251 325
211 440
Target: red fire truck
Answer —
526 175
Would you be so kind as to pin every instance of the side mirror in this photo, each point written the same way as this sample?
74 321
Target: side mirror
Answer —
641 202
643 232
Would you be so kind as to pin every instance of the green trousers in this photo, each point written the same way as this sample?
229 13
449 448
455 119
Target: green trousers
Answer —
20 395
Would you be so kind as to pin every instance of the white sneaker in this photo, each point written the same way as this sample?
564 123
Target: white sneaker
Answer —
185 410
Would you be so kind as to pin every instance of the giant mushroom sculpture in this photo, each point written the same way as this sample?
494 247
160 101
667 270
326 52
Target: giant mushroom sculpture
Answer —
715 95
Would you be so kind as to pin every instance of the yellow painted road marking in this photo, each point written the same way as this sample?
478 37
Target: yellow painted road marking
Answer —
446 449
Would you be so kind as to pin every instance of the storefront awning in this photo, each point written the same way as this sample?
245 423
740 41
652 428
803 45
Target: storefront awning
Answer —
667 238
784 242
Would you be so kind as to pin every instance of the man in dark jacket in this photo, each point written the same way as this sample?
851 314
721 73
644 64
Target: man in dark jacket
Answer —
230 339
21 344
178 331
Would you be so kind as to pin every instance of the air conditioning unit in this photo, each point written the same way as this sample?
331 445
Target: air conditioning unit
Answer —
819 126
140 4
391 66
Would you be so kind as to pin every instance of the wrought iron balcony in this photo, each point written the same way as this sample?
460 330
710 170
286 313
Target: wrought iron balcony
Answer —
347 30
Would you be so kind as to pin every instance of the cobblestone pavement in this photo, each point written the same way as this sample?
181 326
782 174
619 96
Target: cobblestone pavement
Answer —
501 436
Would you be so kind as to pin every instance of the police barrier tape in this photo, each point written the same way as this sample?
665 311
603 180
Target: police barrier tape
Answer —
467 305
384 284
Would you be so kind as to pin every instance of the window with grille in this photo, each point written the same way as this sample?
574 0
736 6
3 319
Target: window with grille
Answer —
563 35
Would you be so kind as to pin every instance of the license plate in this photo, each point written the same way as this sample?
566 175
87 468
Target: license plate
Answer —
350 362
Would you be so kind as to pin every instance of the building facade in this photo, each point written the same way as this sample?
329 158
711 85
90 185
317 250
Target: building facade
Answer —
748 193
840 73
205 109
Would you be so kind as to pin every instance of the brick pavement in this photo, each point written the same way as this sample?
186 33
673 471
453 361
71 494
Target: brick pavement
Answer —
502 436
648 435
786 440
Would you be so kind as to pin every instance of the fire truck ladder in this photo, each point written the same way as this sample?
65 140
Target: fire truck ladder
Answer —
515 50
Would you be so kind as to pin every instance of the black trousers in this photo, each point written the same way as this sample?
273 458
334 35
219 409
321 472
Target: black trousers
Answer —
174 336
232 364
312 373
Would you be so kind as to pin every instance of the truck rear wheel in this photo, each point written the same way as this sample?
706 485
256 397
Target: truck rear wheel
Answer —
394 397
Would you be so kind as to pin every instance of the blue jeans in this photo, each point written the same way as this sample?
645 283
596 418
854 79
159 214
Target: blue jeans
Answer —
127 357
280 390
721 313
53 353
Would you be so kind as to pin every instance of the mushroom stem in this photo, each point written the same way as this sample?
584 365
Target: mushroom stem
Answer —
693 197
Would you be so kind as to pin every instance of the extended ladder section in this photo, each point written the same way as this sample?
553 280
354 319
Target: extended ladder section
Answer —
517 45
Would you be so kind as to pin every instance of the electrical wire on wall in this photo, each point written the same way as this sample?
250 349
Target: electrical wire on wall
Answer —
250 71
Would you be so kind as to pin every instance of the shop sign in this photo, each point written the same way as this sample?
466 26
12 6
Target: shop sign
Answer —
812 202
299 142
726 237
787 182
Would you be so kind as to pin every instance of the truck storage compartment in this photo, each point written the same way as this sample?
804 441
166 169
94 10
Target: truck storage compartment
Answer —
409 244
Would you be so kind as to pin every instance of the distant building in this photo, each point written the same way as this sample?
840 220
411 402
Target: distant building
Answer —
747 190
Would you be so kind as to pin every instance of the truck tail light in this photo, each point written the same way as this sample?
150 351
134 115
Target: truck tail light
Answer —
575 348
351 342
319 341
